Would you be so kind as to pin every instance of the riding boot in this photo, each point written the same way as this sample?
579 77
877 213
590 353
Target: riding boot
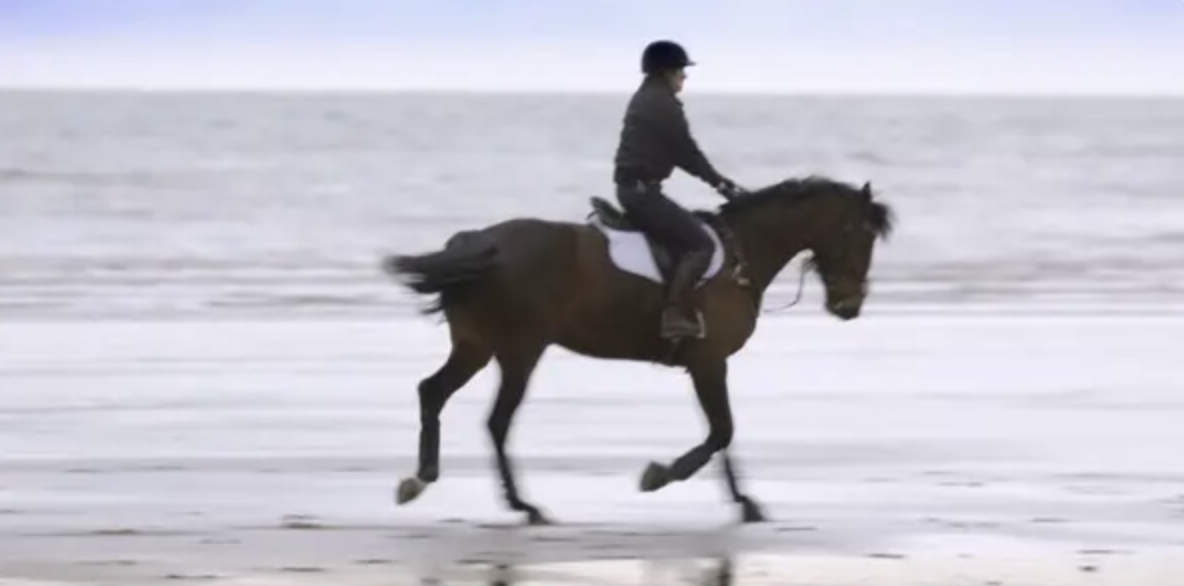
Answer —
675 323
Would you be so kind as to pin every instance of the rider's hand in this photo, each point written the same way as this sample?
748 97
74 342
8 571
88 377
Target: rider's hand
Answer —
730 190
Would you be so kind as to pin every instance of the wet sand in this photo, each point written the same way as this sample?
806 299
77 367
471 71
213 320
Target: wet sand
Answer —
902 450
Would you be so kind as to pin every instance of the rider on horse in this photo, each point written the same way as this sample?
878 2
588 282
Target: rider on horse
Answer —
655 139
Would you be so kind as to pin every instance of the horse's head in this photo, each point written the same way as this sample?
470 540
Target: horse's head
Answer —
838 222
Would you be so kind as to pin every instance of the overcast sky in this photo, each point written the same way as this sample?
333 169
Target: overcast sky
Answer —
991 46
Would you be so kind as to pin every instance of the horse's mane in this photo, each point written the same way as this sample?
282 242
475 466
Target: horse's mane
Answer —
879 215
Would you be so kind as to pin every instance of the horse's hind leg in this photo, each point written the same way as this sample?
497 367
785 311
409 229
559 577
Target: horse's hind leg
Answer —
517 365
467 358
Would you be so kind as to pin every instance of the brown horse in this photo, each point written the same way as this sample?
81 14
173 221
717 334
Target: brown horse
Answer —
512 289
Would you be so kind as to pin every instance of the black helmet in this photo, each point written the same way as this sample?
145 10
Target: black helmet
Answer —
664 56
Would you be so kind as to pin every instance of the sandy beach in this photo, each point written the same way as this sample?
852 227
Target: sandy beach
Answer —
894 450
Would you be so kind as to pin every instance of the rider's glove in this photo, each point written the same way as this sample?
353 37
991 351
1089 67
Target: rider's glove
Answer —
730 190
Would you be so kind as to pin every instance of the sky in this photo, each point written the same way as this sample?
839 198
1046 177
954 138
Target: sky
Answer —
765 46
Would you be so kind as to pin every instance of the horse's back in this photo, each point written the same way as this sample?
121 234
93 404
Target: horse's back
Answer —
537 260
566 262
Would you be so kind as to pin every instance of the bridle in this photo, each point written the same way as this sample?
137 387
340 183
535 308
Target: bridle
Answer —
740 265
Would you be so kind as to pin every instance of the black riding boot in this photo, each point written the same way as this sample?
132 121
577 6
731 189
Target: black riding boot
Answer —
675 321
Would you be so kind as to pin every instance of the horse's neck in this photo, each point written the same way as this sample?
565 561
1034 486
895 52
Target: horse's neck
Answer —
766 249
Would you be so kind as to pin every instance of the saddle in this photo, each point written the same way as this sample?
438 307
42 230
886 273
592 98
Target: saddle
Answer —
625 237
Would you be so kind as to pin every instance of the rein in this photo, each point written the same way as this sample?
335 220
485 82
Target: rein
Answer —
738 271
805 269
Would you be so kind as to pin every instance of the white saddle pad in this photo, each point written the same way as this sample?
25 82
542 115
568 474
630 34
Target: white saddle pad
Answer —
630 252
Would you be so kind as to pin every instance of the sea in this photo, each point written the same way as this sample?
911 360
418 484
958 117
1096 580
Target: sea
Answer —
212 204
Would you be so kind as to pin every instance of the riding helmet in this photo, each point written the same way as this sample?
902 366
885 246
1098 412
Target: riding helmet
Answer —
664 56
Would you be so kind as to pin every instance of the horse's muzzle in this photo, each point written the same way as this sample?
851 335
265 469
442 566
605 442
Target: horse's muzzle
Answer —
846 309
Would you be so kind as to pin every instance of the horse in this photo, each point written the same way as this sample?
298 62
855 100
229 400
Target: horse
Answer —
510 290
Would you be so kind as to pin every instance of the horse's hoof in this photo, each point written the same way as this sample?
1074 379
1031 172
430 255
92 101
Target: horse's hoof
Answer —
537 519
409 490
750 512
655 476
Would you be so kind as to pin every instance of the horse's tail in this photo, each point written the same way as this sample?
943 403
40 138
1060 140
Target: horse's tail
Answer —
449 273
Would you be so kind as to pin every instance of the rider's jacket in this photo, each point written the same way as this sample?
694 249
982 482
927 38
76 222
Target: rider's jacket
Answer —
656 138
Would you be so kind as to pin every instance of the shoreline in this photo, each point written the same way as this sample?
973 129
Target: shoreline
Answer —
1094 311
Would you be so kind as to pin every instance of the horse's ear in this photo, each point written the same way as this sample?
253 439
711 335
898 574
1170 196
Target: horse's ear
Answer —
866 190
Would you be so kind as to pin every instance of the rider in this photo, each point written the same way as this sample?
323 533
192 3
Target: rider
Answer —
655 139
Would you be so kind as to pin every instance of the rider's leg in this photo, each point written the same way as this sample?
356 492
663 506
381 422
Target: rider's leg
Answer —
674 226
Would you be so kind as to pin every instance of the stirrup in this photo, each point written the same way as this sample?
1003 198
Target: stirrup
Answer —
688 328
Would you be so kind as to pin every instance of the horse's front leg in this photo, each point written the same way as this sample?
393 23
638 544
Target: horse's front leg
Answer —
750 512
711 387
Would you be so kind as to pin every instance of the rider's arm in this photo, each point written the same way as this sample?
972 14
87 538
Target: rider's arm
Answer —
688 156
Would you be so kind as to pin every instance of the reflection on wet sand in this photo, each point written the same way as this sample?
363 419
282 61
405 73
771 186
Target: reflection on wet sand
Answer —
311 553
718 572
757 570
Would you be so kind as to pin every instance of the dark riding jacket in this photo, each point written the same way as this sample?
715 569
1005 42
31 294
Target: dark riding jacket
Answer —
656 138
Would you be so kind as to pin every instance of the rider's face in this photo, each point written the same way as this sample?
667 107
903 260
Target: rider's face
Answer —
677 78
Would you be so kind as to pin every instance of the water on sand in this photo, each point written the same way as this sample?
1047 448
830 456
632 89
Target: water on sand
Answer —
234 448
